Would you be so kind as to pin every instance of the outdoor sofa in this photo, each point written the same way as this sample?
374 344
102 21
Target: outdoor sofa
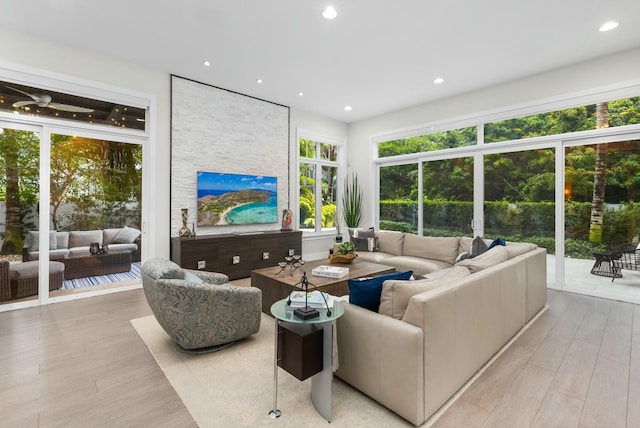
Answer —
63 245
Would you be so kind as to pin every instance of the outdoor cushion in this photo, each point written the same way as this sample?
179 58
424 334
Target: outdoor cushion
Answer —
82 238
34 240
127 235
109 235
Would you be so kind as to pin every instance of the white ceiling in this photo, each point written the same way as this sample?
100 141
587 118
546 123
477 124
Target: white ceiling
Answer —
376 56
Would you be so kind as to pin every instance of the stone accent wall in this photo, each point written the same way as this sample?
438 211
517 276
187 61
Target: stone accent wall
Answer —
216 130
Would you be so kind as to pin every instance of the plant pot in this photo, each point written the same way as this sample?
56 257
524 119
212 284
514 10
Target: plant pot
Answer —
342 258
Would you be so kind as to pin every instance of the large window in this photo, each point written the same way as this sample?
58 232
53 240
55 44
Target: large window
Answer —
509 180
319 172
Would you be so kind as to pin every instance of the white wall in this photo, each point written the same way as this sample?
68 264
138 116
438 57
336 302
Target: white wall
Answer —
579 78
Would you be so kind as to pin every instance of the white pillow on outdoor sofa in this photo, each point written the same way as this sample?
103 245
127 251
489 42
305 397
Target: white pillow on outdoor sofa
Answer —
126 236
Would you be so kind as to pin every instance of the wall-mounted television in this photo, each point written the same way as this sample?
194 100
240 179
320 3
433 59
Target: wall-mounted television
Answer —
234 199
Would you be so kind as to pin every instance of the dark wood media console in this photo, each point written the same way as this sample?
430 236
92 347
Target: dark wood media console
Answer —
235 255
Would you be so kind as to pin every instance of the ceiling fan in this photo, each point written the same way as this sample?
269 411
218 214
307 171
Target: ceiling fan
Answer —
44 100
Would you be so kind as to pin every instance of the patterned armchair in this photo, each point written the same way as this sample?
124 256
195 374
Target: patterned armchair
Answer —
200 310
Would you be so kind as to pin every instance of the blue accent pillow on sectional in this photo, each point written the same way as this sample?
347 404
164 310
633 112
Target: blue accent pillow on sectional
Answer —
365 292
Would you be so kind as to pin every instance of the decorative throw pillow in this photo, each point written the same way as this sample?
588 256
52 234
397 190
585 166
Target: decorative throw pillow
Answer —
365 292
360 239
127 235
191 277
498 241
478 246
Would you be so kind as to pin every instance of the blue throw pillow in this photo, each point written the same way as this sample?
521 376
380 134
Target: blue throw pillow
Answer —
498 241
366 292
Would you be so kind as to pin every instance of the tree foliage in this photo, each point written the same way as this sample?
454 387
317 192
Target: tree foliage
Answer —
102 180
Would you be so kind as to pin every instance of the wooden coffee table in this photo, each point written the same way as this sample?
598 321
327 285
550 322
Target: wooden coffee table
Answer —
276 284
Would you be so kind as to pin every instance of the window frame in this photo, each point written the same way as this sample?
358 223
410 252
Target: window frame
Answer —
340 164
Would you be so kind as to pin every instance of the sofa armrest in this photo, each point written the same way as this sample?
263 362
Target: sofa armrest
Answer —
210 277
383 357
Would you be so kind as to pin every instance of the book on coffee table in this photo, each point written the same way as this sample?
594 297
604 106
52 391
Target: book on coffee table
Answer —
330 271
314 299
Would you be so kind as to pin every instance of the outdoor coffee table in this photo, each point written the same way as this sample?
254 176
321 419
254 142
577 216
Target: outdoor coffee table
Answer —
95 265
276 284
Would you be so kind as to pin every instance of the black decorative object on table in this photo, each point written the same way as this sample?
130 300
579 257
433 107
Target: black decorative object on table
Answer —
294 262
306 312
95 249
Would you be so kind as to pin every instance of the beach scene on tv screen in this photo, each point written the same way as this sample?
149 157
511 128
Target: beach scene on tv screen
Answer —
231 199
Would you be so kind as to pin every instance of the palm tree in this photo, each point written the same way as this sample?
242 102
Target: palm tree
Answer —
599 178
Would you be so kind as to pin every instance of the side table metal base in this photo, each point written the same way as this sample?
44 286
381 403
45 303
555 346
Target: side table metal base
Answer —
275 414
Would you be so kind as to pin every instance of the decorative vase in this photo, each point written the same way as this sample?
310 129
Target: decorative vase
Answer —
184 231
287 217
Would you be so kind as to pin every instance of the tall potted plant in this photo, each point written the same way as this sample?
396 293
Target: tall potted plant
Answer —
352 202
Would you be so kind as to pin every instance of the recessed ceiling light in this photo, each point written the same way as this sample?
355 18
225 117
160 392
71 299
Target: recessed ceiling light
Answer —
258 80
206 63
300 94
348 108
438 80
608 26
329 12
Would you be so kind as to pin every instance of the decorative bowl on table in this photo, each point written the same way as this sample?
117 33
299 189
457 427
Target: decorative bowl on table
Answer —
342 258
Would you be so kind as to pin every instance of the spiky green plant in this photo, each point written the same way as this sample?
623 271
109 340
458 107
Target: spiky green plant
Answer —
352 202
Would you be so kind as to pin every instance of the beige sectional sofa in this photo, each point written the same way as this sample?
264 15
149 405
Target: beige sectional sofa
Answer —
432 335
63 245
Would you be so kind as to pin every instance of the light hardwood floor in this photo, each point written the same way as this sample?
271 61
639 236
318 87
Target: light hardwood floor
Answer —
81 364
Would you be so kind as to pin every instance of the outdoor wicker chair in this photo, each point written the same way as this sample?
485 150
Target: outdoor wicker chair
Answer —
5 288
626 257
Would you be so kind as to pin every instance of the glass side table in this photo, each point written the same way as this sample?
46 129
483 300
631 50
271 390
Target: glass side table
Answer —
320 382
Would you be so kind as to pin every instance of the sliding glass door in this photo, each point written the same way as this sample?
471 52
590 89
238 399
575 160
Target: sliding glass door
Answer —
602 219
19 207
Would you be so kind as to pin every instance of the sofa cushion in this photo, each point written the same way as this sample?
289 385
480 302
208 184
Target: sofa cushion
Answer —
60 253
82 238
122 248
418 265
365 292
396 294
34 240
515 249
374 257
465 245
109 235
444 249
487 259
127 236
62 239
390 242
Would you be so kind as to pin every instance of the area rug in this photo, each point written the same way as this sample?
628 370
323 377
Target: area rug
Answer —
234 387
133 274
